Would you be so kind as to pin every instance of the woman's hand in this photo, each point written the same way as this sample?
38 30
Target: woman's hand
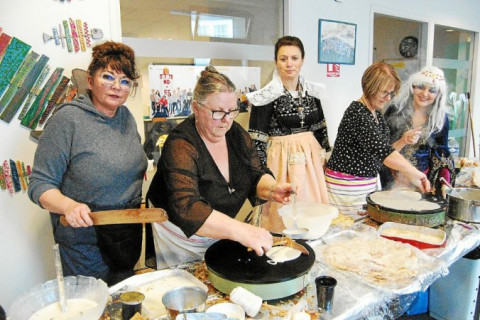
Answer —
77 215
411 136
420 180
258 239
280 192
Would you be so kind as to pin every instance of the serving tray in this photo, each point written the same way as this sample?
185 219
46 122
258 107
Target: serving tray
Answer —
153 285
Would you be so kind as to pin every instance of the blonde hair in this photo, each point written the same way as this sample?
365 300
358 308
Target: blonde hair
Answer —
211 81
377 77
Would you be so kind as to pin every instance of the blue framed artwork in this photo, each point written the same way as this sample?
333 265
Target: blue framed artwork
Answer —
336 42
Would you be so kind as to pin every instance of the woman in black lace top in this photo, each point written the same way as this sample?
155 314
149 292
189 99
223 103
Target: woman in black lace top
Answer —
208 168
289 128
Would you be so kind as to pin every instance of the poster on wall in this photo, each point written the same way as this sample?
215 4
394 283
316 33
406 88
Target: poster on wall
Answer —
171 87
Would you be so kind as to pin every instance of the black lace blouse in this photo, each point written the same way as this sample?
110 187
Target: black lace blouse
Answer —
189 185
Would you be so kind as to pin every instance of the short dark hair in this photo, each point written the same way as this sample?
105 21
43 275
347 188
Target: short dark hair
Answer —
115 55
289 41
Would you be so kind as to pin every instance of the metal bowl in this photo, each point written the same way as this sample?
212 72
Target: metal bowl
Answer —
184 300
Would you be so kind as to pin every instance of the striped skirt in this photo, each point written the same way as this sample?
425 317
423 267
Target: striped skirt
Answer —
348 193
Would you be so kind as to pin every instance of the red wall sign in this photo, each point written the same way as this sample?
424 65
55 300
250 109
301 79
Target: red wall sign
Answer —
333 70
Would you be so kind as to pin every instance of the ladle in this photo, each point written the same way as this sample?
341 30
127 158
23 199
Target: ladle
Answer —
295 232
60 280
446 182
452 191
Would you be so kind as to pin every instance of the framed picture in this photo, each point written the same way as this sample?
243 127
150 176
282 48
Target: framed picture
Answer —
336 42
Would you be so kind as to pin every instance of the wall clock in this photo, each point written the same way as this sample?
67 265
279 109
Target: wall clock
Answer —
409 47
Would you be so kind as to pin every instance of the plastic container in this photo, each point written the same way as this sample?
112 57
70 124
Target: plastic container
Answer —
76 287
454 148
420 304
420 237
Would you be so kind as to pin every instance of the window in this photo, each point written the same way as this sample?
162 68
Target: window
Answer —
452 52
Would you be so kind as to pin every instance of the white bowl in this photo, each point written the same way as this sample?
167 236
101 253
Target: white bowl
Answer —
316 217
231 310
46 294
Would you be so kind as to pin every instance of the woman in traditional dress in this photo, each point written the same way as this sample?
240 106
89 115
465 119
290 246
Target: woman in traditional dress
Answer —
289 129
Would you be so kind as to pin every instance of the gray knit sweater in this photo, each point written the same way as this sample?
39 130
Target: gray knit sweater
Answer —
90 157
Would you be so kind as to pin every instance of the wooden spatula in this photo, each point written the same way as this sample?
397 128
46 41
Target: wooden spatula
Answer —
122 216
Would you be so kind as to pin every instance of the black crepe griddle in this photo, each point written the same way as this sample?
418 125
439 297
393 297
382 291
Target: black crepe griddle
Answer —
231 265
426 218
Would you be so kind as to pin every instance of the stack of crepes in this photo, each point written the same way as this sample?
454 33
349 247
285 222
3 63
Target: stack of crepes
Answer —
376 260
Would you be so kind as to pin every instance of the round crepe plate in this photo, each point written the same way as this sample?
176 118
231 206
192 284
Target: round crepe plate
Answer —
426 218
231 265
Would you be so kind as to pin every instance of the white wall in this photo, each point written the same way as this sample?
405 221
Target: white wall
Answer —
303 15
25 233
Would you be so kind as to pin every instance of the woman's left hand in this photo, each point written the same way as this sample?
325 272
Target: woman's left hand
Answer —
280 192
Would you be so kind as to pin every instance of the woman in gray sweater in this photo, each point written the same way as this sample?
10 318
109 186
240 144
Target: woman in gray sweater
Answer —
90 158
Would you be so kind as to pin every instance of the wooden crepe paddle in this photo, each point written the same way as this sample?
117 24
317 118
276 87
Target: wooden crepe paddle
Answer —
122 216
287 242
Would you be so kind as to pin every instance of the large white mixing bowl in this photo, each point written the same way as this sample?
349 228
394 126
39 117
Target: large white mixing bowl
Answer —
45 294
316 217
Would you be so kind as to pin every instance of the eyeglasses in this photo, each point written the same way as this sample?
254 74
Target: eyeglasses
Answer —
220 115
386 94
431 90
109 80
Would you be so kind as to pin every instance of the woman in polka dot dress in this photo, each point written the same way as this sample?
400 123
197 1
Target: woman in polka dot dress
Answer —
363 145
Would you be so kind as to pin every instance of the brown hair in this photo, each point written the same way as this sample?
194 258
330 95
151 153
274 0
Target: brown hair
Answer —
115 55
289 41
378 76
211 81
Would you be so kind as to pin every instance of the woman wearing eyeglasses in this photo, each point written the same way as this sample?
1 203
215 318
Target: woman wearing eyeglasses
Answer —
208 168
363 145
89 158
289 129
419 127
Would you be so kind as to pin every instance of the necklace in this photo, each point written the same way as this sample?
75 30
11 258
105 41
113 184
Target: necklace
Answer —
298 103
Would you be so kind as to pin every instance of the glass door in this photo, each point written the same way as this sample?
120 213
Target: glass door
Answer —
453 53
400 42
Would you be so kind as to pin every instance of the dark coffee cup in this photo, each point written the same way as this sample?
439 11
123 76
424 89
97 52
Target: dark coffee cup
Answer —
131 304
325 289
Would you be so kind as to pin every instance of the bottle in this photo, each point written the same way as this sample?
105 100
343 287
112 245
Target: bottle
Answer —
454 148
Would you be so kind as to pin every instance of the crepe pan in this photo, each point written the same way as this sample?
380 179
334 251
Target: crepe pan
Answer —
231 265
426 218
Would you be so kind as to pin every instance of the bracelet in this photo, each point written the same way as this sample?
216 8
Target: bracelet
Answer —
271 192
